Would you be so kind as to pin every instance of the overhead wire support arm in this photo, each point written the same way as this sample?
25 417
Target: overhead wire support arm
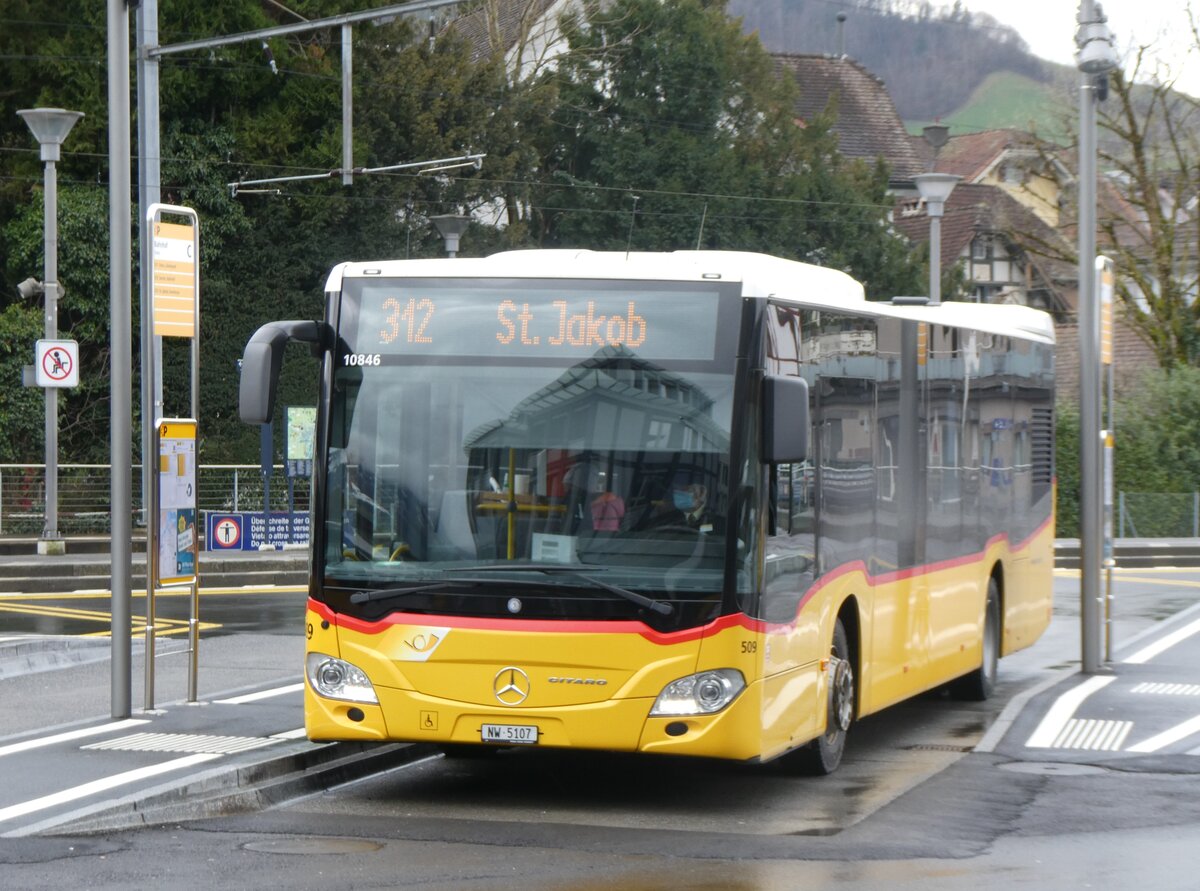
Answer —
349 18
343 21
472 160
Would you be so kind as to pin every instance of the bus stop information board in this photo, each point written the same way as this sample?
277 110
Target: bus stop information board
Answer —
178 542
173 280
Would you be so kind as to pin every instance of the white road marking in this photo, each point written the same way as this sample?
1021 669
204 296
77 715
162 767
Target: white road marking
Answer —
261 694
1164 643
1062 711
1008 717
1167 689
1093 734
28 744
101 785
298 733
1164 739
189 743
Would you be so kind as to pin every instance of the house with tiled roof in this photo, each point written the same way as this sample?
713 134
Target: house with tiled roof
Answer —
978 234
989 234
865 119
525 31
1012 160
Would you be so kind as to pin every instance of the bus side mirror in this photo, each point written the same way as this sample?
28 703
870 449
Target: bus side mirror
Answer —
262 361
785 420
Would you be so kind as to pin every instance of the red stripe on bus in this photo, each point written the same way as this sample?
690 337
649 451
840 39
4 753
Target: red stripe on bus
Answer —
586 626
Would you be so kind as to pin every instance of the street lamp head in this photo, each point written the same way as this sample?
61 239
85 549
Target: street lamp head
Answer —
50 127
451 226
935 188
936 135
1096 54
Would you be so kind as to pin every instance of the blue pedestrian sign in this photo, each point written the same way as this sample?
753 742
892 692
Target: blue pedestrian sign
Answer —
226 533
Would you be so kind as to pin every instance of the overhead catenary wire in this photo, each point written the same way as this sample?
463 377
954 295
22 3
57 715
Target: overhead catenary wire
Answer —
495 182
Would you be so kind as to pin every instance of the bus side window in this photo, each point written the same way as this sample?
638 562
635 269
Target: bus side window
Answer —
781 499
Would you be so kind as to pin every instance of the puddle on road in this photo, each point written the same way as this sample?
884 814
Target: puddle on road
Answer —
1053 768
822 832
975 728
313 846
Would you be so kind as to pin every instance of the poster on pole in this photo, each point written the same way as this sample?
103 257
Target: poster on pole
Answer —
178 541
299 442
1105 283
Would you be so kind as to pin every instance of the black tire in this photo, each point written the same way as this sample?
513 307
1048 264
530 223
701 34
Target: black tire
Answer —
823 755
980 684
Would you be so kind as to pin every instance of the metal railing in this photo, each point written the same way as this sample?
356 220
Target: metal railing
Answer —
1158 515
83 500
83 495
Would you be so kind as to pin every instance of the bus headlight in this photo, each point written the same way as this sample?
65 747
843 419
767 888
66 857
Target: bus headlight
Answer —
337 679
699 694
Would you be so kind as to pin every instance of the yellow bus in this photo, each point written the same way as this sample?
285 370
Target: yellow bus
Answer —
695 503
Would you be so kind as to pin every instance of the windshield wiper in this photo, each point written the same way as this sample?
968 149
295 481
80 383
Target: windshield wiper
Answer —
663 609
367 596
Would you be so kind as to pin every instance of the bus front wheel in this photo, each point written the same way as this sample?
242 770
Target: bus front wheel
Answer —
980 684
824 754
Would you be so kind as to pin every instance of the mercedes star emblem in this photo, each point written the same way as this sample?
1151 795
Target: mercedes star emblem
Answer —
511 686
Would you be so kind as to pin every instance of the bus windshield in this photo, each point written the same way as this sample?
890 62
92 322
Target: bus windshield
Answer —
455 455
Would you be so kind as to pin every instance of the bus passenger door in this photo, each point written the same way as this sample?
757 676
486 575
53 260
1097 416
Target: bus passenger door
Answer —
895 638
858 514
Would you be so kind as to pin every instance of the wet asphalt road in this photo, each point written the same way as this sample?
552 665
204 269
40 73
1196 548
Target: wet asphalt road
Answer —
911 807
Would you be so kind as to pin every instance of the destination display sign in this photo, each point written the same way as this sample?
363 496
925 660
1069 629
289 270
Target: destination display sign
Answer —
556 322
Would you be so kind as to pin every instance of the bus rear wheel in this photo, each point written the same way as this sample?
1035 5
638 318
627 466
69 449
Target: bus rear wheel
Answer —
823 755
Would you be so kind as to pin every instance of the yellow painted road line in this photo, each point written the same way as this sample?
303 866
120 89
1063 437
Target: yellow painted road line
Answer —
1173 583
162 627
61 612
95 593
1123 577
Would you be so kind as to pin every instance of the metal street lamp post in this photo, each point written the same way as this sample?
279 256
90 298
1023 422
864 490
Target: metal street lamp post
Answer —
1096 57
50 127
935 188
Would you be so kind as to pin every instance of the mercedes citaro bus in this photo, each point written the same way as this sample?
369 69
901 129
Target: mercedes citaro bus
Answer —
694 503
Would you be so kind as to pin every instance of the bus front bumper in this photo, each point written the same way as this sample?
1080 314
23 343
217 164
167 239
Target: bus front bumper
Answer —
618 725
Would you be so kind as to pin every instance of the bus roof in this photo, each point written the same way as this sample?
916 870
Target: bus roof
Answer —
760 275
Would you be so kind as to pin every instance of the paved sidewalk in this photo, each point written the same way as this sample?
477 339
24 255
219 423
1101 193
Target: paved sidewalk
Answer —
69 766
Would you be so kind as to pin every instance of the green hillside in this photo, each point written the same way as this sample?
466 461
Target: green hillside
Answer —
1006 100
